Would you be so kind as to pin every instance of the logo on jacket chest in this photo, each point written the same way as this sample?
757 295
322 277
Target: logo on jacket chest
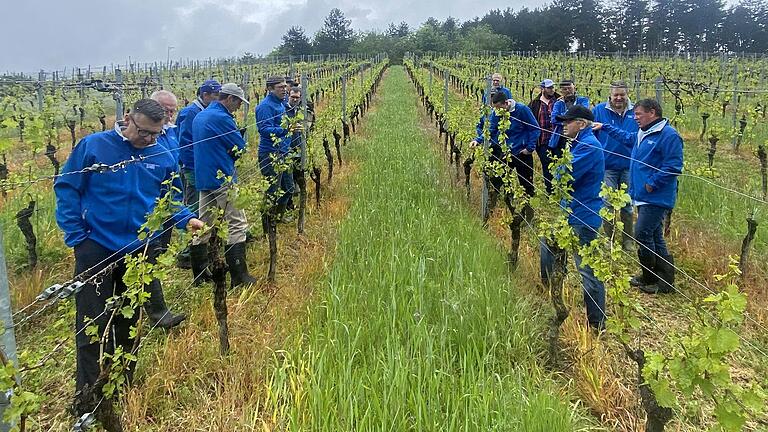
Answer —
150 166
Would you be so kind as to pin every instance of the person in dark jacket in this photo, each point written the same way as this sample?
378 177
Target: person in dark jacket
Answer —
100 215
220 143
657 160
618 112
206 93
570 98
587 170
542 106
516 153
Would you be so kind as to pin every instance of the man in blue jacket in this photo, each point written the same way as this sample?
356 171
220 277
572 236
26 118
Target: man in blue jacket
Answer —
569 98
206 93
522 135
220 143
101 214
156 308
618 112
587 170
275 140
657 160
497 86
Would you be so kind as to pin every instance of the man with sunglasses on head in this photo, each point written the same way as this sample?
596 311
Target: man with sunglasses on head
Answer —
101 214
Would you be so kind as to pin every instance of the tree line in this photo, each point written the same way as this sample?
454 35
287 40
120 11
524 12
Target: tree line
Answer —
583 25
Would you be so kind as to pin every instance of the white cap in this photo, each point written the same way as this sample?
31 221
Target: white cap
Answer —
234 90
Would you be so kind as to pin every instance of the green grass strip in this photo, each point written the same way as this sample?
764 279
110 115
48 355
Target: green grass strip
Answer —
419 325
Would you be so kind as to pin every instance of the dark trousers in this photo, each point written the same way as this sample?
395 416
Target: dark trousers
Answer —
521 164
91 303
649 231
280 184
543 152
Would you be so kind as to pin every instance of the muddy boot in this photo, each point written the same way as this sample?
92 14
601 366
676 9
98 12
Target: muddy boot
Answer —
238 268
157 310
198 255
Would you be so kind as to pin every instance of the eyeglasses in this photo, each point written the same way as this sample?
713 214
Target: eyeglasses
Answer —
144 133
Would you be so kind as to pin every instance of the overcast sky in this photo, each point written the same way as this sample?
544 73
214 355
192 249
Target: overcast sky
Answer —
57 34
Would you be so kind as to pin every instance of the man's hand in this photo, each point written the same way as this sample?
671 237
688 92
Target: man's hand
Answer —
473 144
596 126
648 188
297 127
195 225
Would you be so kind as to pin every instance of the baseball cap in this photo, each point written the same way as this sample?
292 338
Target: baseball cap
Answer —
547 83
566 82
234 90
576 112
209 86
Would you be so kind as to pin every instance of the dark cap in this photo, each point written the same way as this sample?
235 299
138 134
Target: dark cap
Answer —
275 80
576 112
566 82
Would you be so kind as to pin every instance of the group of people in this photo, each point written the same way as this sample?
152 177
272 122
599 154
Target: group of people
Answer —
615 142
101 213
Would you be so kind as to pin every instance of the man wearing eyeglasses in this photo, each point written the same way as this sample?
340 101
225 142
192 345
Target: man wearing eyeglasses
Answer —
101 214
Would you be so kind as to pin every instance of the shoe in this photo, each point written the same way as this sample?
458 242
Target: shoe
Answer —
157 310
665 268
238 268
199 262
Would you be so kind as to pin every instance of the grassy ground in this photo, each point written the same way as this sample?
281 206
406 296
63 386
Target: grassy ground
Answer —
419 325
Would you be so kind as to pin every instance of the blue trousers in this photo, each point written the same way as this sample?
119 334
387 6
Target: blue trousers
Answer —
594 290
649 231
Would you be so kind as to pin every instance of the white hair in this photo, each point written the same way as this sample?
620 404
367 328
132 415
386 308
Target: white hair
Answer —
163 94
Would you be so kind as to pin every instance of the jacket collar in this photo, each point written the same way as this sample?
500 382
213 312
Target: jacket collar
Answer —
199 103
630 107
641 134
